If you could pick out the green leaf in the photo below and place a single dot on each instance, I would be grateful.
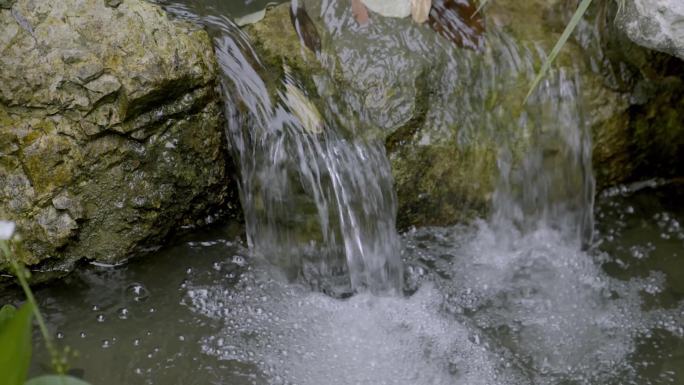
(56, 380)
(7, 312)
(576, 17)
(15, 345)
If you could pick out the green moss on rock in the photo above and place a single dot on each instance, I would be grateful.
(111, 127)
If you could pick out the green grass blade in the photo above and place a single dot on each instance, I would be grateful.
(483, 3)
(581, 10)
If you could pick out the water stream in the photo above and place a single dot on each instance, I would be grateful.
(317, 195)
(325, 291)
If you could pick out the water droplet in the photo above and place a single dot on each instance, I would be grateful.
(82, 335)
(59, 335)
(100, 318)
(136, 342)
(106, 344)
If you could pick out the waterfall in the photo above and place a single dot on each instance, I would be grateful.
(317, 195)
(552, 185)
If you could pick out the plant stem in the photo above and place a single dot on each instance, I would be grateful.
(21, 276)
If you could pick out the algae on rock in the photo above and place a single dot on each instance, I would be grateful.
(111, 133)
(446, 112)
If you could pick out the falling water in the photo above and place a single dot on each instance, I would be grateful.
(552, 185)
(317, 195)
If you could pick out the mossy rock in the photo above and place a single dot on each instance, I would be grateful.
(445, 112)
(111, 129)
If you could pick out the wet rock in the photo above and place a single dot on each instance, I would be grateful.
(447, 103)
(655, 24)
(111, 132)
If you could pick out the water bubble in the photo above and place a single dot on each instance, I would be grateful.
(59, 335)
(123, 313)
(82, 335)
(136, 342)
(106, 344)
(239, 260)
(100, 318)
(138, 291)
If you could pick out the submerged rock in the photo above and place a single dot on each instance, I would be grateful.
(111, 133)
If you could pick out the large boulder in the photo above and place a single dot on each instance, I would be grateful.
(655, 24)
(111, 133)
(447, 104)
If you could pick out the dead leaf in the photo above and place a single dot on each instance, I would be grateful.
(420, 10)
(360, 12)
(303, 108)
(305, 28)
(457, 21)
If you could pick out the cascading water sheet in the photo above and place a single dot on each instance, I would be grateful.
(317, 195)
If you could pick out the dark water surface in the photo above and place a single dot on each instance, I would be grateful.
(479, 312)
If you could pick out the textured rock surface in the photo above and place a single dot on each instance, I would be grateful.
(655, 24)
(445, 112)
(110, 128)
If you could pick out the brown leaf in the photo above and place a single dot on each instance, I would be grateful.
(306, 29)
(456, 20)
(360, 12)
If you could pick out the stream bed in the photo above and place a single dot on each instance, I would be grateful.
(479, 307)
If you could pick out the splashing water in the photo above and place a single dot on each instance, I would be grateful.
(514, 300)
(553, 184)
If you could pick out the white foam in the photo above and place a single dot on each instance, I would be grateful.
(298, 337)
(491, 308)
